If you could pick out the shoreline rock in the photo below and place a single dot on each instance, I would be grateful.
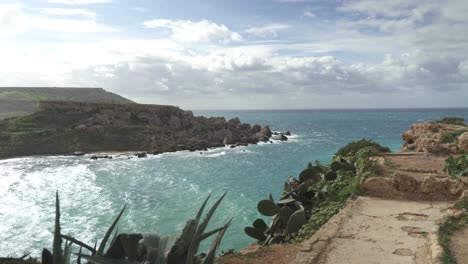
(77, 128)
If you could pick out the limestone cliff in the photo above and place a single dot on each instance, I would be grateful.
(65, 127)
(436, 137)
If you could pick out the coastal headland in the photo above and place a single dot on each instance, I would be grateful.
(66, 127)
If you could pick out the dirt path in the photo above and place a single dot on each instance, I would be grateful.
(386, 231)
(397, 223)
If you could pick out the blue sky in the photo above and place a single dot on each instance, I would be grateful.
(243, 54)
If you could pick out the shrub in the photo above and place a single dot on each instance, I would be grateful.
(353, 147)
(451, 137)
(457, 166)
(452, 121)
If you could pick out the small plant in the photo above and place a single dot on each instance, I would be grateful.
(353, 147)
(459, 121)
(457, 167)
(452, 137)
(448, 227)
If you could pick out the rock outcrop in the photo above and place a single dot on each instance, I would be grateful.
(432, 137)
(66, 127)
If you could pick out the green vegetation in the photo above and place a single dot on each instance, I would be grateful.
(54, 132)
(352, 148)
(458, 166)
(148, 248)
(452, 137)
(23, 101)
(448, 227)
(459, 121)
(319, 193)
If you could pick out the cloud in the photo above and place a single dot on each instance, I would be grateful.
(201, 31)
(78, 2)
(67, 12)
(412, 55)
(14, 20)
(309, 14)
(270, 30)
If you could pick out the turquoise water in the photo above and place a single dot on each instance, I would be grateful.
(163, 191)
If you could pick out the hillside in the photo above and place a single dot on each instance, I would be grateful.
(17, 101)
(65, 127)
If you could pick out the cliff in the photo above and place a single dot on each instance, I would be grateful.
(18, 101)
(436, 137)
(66, 127)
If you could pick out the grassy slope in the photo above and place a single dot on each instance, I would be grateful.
(50, 132)
(22, 101)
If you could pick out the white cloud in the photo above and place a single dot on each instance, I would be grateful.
(414, 55)
(67, 12)
(309, 14)
(270, 30)
(14, 20)
(201, 31)
(78, 2)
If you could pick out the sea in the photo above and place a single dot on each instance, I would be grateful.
(162, 192)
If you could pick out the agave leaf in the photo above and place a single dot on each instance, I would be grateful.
(210, 233)
(182, 244)
(67, 252)
(178, 253)
(200, 230)
(104, 260)
(115, 234)
(79, 243)
(47, 257)
(78, 260)
(202, 208)
(57, 244)
(100, 250)
(210, 257)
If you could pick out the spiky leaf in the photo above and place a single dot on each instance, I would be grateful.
(100, 250)
(57, 244)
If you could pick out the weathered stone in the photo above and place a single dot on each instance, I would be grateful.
(463, 142)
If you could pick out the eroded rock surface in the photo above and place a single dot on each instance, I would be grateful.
(428, 137)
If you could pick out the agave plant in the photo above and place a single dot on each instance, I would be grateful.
(58, 255)
(154, 249)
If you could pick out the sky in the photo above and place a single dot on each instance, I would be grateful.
(243, 54)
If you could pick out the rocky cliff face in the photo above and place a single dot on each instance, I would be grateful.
(436, 138)
(66, 127)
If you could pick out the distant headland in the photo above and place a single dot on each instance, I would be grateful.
(57, 121)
